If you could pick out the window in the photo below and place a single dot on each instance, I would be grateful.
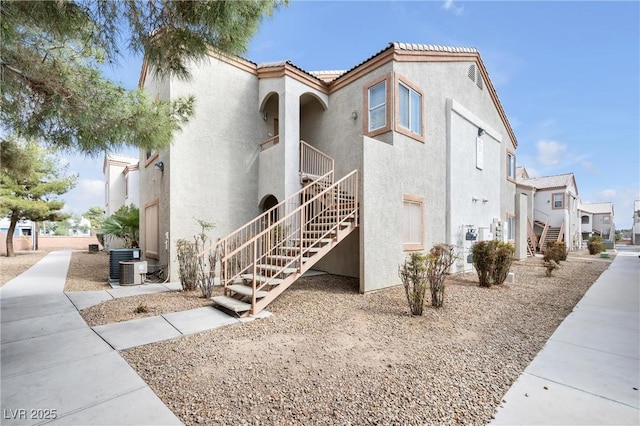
(149, 156)
(412, 230)
(606, 220)
(511, 165)
(106, 194)
(378, 106)
(585, 220)
(126, 186)
(409, 109)
(558, 201)
(511, 228)
(151, 230)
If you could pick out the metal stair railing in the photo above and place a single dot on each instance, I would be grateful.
(313, 162)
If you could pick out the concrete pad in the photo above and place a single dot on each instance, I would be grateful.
(173, 286)
(599, 373)
(47, 276)
(136, 290)
(17, 308)
(200, 319)
(77, 385)
(140, 407)
(129, 334)
(41, 326)
(29, 355)
(610, 338)
(602, 315)
(86, 299)
(529, 403)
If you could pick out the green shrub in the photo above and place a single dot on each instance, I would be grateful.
(503, 260)
(492, 261)
(187, 254)
(483, 258)
(550, 265)
(413, 273)
(556, 250)
(595, 245)
(438, 262)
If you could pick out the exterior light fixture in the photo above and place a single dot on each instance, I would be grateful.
(264, 116)
(354, 115)
(159, 165)
(481, 131)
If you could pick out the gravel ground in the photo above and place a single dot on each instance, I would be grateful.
(88, 271)
(147, 305)
(11, 267)
(331, 356)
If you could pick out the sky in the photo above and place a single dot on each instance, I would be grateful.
(567, 75)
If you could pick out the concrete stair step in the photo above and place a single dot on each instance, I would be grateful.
(246, 290)
(231, 304)
(261, 279)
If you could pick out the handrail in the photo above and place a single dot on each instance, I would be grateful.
(561, 233)
(314, 162)
(270, 142)
(340, 197)
(543, 236)
(532, 235)
(537, 213)
(265, 219)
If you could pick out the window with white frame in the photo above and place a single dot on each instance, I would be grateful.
(409, 108)
(606, 220)
(412, 229)
(378, 106)
(511, 165)
(557, 201)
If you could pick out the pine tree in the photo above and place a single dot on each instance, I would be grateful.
(52, 87)
(29, 192)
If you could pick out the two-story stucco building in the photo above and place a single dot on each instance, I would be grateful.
(419, 129)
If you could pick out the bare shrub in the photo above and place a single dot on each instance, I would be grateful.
(187, 254)
(413, 273)
(438, 262)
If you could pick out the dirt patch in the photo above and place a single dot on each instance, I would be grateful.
(88, 271)
(11, 267)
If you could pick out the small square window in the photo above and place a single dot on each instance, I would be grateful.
(606, 220)
(558, 201)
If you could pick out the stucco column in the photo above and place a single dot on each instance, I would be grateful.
(521, 226)
(291, 104)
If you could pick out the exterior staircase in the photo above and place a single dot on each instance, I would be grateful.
(261, 259)
(553, 234)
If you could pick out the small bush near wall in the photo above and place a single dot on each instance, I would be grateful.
(595, 245)
(413, 273)
(492, 261)
(556, 250)
(187, 254)
(438, 262)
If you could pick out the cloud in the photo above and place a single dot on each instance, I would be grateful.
(590, 167)
(87, 193)
(607, 194)
(550, 153)
(451, 6)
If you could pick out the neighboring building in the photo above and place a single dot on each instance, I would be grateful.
(417, 131)
(24, 236)
(121, 187)
(552, 210)
(635, 229)
(598, 219)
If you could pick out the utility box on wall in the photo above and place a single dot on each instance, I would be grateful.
(484, 234)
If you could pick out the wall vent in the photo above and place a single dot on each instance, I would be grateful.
(472, 72)
(479, 80)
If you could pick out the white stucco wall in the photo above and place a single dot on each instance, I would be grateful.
(473, 193)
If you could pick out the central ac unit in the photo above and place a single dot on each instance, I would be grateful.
(130, 272)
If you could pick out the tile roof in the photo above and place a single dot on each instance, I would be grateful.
(121, 158)
(597, 208)
(546, 182)
(432, 48)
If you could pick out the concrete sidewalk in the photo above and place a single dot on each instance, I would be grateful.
(55, 369)
(588, 372)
